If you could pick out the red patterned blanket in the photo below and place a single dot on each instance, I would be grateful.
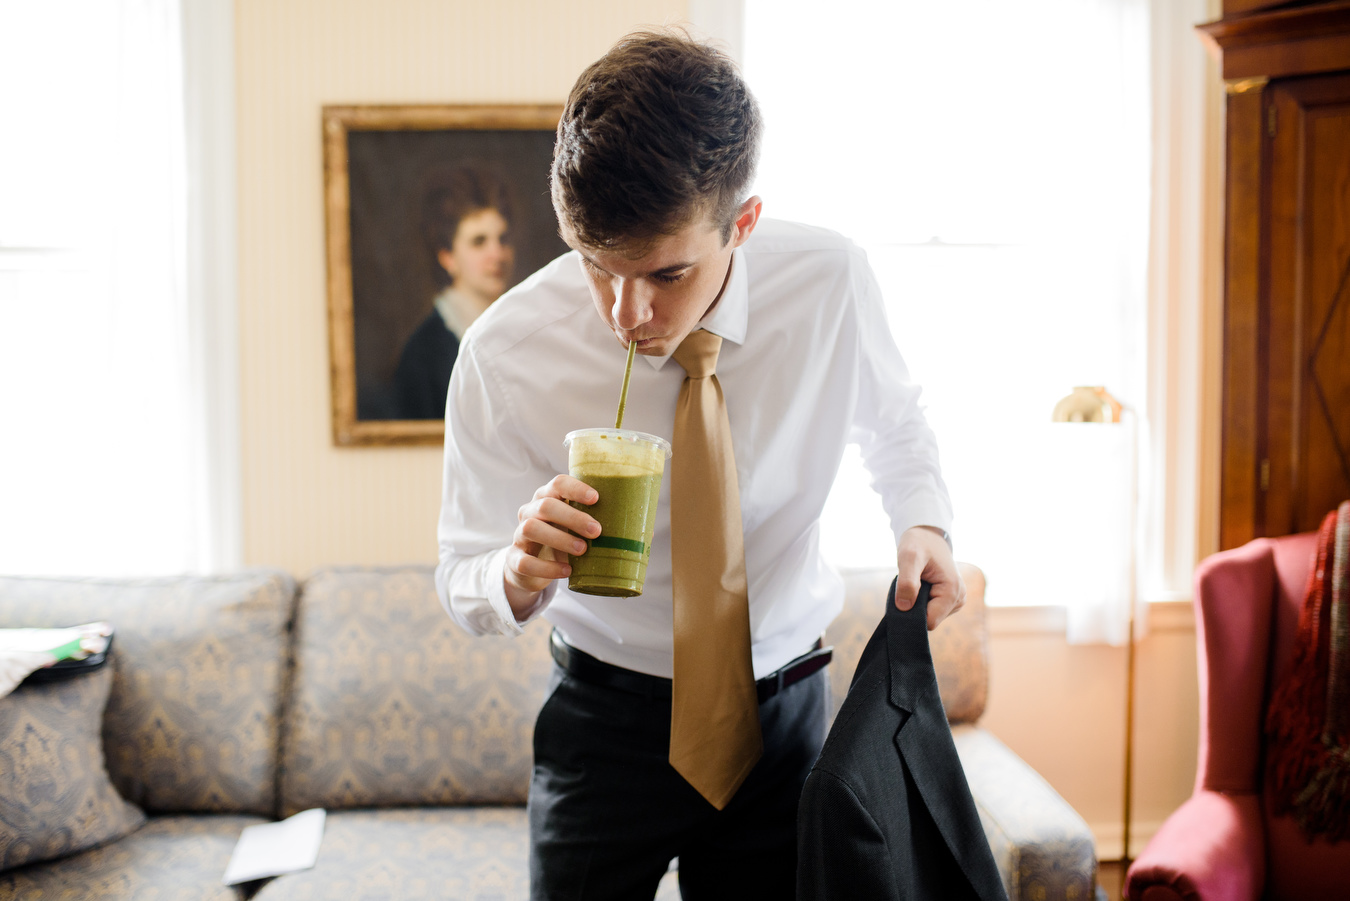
(1308, 722)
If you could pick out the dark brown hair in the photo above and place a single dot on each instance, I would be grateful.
(659, 130)
(451, 196)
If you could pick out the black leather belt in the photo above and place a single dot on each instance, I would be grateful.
(588, 669)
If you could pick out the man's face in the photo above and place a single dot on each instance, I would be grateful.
(657, 297)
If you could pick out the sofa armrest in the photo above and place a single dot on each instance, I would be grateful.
(1043, 848)
(1211, 847)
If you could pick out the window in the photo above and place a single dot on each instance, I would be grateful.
(996, 162)
(102, 407)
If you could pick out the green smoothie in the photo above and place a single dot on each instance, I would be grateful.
(625, 469)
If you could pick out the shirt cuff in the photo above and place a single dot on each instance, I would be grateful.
(929, 514)
(496, 596)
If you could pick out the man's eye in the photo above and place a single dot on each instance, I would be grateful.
(668, 279)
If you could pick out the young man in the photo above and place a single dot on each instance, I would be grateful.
(655, 154)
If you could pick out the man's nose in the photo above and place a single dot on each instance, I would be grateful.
(630, 310)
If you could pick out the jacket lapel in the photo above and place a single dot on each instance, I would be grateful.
(925, 742)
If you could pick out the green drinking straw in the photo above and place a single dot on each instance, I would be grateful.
(623, 395)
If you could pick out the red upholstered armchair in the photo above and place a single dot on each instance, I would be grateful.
(1224, 843)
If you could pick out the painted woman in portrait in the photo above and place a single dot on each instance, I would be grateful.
(466, 218)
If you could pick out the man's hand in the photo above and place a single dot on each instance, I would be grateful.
(542, 540)
(923, 555)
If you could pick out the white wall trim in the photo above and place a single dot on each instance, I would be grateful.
(1160, 616)
(1109, 838)
(1041, 619)
(1171, 616)
(212, 278)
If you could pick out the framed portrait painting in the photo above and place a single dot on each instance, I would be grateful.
(432, 213)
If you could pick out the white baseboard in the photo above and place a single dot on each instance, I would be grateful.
(1110, 838)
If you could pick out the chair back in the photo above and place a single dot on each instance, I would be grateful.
(960, 645)
(1248, 602)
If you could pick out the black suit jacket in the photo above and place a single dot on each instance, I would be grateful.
(886, 812)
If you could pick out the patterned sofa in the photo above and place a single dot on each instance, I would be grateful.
(239, 699)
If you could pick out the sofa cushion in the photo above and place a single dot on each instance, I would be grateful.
(168, 859)
(394, 705)
(193, 718)
(55, 797)
(960, 644)
(411, 854)
(468, 854)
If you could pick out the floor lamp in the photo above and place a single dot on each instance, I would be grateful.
(1092, 404)
(1129, 739)
(1130, 649)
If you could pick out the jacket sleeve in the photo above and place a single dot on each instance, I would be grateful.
(841, 851)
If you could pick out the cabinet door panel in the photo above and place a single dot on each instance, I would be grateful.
(1308, 399)
(1328, 299)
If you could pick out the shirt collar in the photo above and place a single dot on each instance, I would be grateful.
(731, 316)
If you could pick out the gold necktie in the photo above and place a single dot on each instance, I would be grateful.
(714, 718)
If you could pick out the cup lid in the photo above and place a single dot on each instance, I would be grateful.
(628, 435)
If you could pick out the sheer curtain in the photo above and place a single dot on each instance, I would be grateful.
(996, 162)
(108, 426)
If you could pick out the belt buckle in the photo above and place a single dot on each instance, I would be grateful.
(559, 649)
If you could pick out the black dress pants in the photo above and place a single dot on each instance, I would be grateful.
(608, 812)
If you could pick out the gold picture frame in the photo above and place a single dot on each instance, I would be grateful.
(377, 163)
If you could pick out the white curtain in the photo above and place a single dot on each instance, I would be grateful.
(212, 268)
(103, 411)
(996, 161)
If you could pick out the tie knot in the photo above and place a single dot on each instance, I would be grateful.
(697, 353)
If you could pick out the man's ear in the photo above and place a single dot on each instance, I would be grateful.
(746, 220)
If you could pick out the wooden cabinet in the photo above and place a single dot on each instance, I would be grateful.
(1286, 405)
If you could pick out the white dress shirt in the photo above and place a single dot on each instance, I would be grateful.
(807, 365)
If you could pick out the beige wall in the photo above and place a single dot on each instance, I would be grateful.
(307, 503)
(1062, 709)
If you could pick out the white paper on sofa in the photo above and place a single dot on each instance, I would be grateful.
(274, 849)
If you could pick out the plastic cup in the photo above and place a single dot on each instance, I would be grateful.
(625, 468)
